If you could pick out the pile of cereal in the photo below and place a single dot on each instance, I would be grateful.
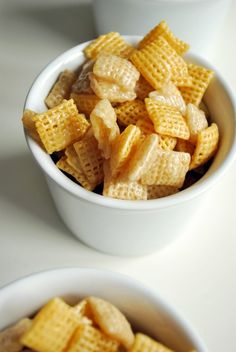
(129, 124)
(92, 325)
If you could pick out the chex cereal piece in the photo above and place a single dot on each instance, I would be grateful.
(61, 89)
(63, 165)
(196, 121)
(89, 339)
(201, 78)
(116, 70)
(123, 148)
(163, 29)
(82, 83)
(143, 88)
(43, 336)
(85, 102)
(126, 190)
(169, 168)
(157, 191)
(111, 91)
(151, 65)
(29, 124)
(90, 158)
(10, 337)
(170, 95)
(111, 321)
(167, 119)
(60, 126)
(206, 146)
(83, 311)
(185, 146)
(144, 343)
(105, 128)
(130, 112)
(167, 142)
(111, 43)
(143, 158)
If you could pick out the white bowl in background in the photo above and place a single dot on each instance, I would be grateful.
(123, 227)
(145, 309)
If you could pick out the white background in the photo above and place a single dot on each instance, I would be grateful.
(197, 273)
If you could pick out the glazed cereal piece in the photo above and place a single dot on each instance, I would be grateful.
(143, 158)
(116, 70)
(110, 91)
(143, 88)
(130, 112)
(152, 66)
(42, 336)
(82, 83)
(111, 43)
(111, 321)
(169, 168)
(123, 148)
(89, 339)
(167, 119)
(157, 191)
(90, 158)
(144, 343)
(170, 95)
(206, 146)
(85, 102)
(61, 89)
(163, 30)
(10, 337)
(60, 126)
(105, 128)
(201, 78)
(78, 175)
(185, 146)
(196, 121)
(29, 124)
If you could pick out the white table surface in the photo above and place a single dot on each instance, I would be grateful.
(197, 273)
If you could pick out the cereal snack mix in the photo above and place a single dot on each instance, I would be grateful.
(131, 122)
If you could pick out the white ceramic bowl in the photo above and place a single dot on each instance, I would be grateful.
(146, 310)
(124, 227)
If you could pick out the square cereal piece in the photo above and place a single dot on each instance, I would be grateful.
(111, 43)
(196, 121)
(170, 95)
(89, 339)
(61, 89)
(201, 78)
(123, 148)
(157, 191)
(130, 112)
(126, 190)
(111, 321)
(29, 124)
(167, 119)
(60, 126)
(85, 102)
(90, 158)
(144, 343)
(162, 29)
(43, 336)
(105, 128)
(82, 83)
(116, 70)
(10, 337)
(206, 146)
(142, 88)
(111, 91)
(169, 168)
(152, 66)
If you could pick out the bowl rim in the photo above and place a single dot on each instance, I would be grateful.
(129, 282)
(142, 205)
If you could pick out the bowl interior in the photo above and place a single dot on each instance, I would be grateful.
(146, 311)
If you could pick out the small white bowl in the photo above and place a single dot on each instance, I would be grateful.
(123, 227)
(146, 310)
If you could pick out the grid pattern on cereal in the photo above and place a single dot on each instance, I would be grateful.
(160, 191)
(130, 112)
(85, 102)
(144, 343)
